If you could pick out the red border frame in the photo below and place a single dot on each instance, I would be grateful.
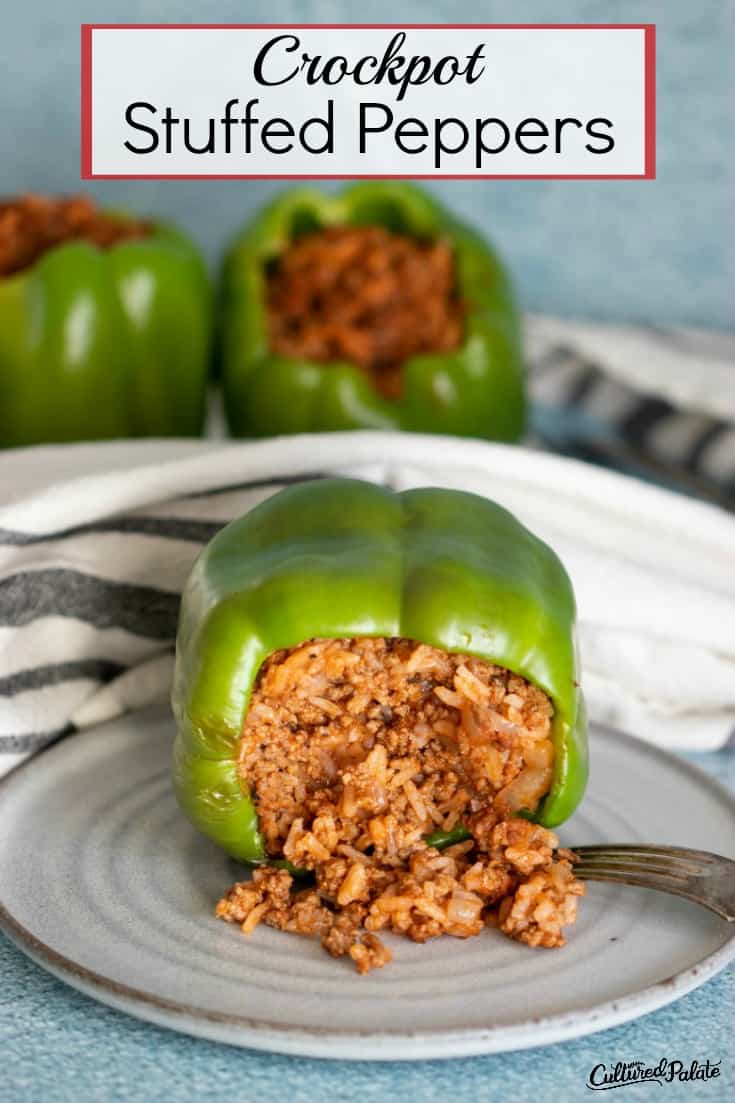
(649, 53)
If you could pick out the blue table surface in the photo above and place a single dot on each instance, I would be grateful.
(56, 1044)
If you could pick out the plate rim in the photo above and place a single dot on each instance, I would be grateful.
(351, 1043)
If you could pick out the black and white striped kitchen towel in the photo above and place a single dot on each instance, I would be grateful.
(92, 605)
(96, 543)
(658, 403)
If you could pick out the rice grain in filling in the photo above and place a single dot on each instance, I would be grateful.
(355, 750)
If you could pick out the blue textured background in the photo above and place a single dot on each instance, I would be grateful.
(659, 251)
(61, 1047)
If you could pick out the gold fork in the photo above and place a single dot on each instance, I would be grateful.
(707, 879)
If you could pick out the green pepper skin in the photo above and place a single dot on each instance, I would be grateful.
(98, 344)
(340, 558)
(476, 391)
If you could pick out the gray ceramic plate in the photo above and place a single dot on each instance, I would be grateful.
(105, 884)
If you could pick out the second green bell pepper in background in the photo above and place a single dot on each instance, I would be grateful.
(476, 390)
(105, 343)
(341, 558)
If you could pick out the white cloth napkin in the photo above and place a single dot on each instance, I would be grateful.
(96, 542)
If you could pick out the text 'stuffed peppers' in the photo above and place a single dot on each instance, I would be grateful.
(341, 558)
(104, 343)
(476, 390)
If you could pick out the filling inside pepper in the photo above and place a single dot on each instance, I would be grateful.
(357, 751)
(32, 224)
(367, 296)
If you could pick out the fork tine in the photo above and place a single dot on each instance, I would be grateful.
(721, 907)
(654, 859)
(645, 862)
(630, 869)
(706, 879)
(622, 849)
(670, 852)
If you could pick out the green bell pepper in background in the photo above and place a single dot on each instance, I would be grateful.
(475, 391)
(340, 558)
(103, 343)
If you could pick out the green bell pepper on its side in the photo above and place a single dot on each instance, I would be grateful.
(340, 558)
(102, 343)
(475, 391)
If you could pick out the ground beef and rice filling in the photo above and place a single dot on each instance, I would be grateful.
(355, 750)
(32, 224)
(367, 296)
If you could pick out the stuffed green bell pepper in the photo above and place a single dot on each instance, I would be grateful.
(105, 325)
(371, 308)
(338, 618)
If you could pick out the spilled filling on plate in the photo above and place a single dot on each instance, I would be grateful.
(362, 756)
(30, 225)
(365, 296)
